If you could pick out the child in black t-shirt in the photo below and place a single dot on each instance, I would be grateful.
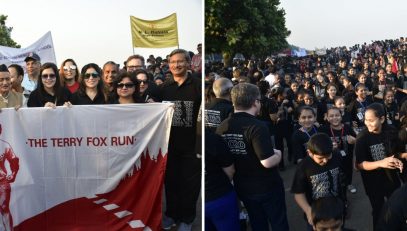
(300, 137)
(343, 139)
(318, 175)
(391, 108)
(375, 150)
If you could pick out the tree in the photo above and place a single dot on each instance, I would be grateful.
(251, 27)
(5, 39)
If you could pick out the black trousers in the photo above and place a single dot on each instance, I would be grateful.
(182, 186)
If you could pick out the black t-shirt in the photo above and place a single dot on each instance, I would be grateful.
(374, 147)
(317, 181)
(249, 141)
(83, 99)
(391, 112)
(299, 141)
(187, 100)
(38, 98)
(357, 110)
(217, 111)
(217, 156)
(339, 137)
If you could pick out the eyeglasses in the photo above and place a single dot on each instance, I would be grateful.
(48, 76)
(177, 62)
(88, 75)
(134, 67)
(127, 85)
(70, 67)
(142, 81)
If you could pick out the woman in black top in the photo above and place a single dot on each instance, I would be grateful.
(49, 92)
(90, 87)
(375, 149)
(126, 89)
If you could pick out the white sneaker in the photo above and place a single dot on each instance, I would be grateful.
(352, 189)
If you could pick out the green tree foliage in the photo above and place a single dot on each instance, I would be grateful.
(244, 26)
(5, 39)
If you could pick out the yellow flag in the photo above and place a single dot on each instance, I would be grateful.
(155, 33)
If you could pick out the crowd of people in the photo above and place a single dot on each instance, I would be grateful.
(330, 114)
(176, 79)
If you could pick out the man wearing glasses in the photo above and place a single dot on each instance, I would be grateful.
(33, 63)
(135, 62)
(183, 173)
(257, 181)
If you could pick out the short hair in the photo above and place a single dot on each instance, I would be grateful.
(327, 208)
(3, 68)
(221, 87)
(18, 68)
(377, 108)
(320, 144)
(181, 51)
(110, 63)
(244, 95)
(135, 57)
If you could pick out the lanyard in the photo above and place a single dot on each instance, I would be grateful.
(339, 141)
(362, 104)
(305, 131)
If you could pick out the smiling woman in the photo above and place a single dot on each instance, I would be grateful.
(91, 88)
(126, 89)
(49, 92)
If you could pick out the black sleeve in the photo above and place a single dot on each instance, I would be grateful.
(34, 100)
(261, 141)
(297, 145)
(299, 184)
(361, 148)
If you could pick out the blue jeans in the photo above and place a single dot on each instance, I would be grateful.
(222, 214)
(266, 207)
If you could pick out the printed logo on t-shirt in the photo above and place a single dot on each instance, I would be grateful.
(235, 143)
(325, 184)
(183, 114)
(378, 152)
(212, 118)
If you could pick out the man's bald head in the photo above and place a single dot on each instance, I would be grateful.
(221, 87)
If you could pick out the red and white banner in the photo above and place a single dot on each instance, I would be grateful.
(85, 167)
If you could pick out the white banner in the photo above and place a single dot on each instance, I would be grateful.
(44, 47)
(98, 164)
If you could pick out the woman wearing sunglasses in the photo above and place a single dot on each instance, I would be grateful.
(69, 75)
(126, 89)
(49, 92)
(90, 87)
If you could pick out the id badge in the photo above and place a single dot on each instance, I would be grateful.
(360, 115)
(343, 153)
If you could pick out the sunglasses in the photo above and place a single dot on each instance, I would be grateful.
(127, 85)
(142, 81)
(88, 75)
(70, 67)
(48, 76)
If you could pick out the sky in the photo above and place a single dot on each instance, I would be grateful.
(331, 23)
(99, 31)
